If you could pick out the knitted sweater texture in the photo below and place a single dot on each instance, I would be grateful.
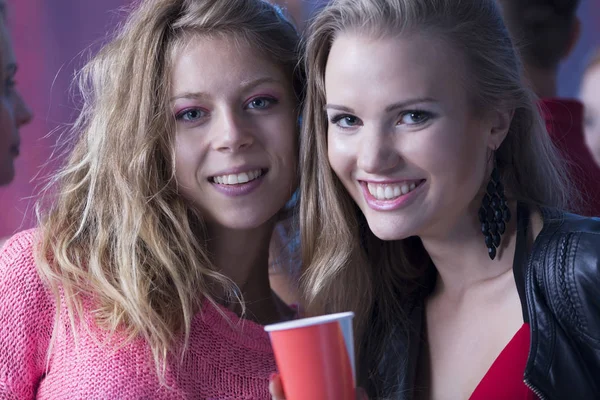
(225, 361)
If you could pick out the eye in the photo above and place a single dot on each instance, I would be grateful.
(190, 115)
(414, 117)
(345, 121)
(261, 103)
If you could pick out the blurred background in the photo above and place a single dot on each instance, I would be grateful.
(53, 38)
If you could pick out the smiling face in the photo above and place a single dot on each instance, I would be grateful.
(14, 113)
(402, 136)
(236, 139)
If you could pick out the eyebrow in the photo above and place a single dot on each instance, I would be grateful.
(391, 107)
(244, 87)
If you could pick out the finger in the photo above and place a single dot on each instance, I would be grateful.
(276, 388)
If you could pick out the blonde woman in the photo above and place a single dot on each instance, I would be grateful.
(431, 206)
(148, 275)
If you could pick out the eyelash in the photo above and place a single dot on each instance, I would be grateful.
(426, 114)
(180, 115)
(271, 101)
(337, 118)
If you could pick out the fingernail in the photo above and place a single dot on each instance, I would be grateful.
(273, 376)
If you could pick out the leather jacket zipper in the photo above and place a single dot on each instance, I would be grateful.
(534, 389)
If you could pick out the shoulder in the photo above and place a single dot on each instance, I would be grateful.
(23, 293)
(573, 247)
(26, 312)
(17, 261)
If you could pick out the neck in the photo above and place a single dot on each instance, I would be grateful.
(461, 257)
(243, 256)
(543, 81)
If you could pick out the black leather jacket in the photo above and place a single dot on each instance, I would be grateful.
(559, 286)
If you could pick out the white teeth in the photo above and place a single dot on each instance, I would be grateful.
(388, 192)
(234, 179)
(243, 178)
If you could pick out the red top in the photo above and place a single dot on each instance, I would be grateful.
(564, 121)
(504, 379)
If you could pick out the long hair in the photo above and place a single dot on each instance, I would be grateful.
(118, 231)
(345, 266)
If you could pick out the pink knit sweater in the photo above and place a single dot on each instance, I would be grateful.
(223, 362)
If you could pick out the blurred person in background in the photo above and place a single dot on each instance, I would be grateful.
(590, 96)
(14, 113)
(546, 32)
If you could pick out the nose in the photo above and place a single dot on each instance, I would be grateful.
(23, 114)
(233, 133)
(378, 152)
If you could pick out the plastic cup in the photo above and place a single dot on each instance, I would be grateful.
(315, 357)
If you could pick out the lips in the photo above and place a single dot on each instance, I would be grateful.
(238, 178)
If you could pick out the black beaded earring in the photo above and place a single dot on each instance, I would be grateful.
(494, 213)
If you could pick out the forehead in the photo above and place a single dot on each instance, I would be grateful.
(218, 62)
(411, 64)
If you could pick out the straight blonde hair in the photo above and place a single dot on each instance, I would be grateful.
(345, 266)
(118, 231)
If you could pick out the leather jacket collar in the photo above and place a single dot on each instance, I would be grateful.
(560, 293)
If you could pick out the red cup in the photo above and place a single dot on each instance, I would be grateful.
(315, 357)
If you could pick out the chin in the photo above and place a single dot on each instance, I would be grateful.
(235, 221)
(389, 234)
(386, 230)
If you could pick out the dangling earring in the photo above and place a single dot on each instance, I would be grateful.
(494, 213)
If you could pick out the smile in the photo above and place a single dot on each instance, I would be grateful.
(391, 191)
(389, 196)
(236, 179)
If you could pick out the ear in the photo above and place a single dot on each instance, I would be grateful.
(501, 120)
(573, 37)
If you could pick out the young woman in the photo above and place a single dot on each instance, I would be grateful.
(148, 275)
(431, 206)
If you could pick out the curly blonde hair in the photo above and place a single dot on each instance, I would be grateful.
(118, 231)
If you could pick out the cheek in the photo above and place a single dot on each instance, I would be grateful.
(455, 158)
(341, 156)
(282, 140)
(185, 161)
